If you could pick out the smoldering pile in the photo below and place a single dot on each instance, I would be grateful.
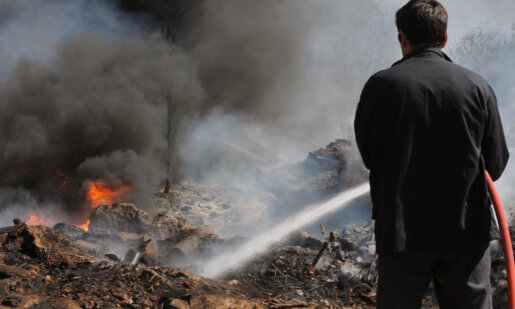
(123, 233)
(39, 268)
(51, 268)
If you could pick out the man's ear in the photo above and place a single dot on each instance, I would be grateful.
(446, 38)
(403, 40)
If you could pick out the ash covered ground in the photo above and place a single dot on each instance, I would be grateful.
(130, 258)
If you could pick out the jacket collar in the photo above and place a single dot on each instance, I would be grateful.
(424, 51)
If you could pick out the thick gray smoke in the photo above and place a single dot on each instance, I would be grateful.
(285, 72)
(295, 65)
(93, 111)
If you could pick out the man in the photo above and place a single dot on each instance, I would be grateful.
(427, 129)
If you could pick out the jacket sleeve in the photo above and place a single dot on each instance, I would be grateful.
(363, 121)
(493, 147)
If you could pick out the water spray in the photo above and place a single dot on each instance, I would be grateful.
(255, 246)
(505, 238)
(259, 244)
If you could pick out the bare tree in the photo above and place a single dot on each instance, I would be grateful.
(170, 26)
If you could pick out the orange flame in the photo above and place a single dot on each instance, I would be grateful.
(35, 220)
(100, 192)
(85, 226)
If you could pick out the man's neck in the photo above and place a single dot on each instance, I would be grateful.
(408, 49)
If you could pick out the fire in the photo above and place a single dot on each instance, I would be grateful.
(85, 226)
(99, 192)
(35, 220)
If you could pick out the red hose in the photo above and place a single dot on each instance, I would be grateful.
(505, 238)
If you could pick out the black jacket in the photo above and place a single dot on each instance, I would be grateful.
(427, 129)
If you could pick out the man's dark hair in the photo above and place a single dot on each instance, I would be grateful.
(424, 22)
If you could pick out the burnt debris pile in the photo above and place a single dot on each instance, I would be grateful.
(42, 269)
(323, 173)
(336, 271)
(225, 207)
(66, 267)
(123, 233)
(498, 273)
(52, 269)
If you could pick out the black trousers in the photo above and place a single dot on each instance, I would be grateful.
(461, 279)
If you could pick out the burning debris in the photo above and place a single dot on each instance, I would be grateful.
(123, 241)
(82, 129)
(100, 192)
(67, 267)
(51, 271)
(122, 232)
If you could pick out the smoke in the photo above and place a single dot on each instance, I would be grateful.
(489, 52)
(17, 201)
(482, 38)
(33, 28)
(85, 87)
(295, 68)
(95, 111)
(300, 65)
(282, 78)
(295, 65)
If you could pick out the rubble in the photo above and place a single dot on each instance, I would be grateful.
(288, 272)
(498, 272)
(325, 172)
(43, 268)
(123, 230)
(51, 272)
(278, 190)
(229, 209)
(343, 276)
(39, 268)
(130, 258)
(126, 217)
